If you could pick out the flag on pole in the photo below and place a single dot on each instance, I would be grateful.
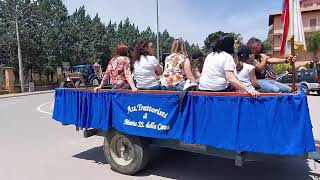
(292, 27)
(284, 8)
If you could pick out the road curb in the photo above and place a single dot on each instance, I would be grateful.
(25, 94)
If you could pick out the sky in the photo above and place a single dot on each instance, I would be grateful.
(191, 20)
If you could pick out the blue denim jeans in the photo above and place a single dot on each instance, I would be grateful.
(124, 87)
(271, 86)
(178, 87)
(157, 87)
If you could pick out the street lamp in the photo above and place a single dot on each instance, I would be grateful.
(21, 76)
(158, 39)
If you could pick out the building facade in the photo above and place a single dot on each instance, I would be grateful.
(310, 10)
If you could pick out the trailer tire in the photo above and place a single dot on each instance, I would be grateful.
(126, 154)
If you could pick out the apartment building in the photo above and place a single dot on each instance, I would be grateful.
(310, 10)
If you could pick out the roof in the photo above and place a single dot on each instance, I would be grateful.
(309, 9)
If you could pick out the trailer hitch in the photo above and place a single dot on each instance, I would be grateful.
(89, 133)
(239, 159)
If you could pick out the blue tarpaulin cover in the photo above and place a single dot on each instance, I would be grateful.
(278, 125)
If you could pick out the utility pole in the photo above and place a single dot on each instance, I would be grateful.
(21, 77)
(158, 38)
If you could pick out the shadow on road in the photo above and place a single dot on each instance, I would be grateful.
(189, 166)
(95, 154)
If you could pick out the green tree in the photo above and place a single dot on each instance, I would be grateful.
(148, 34)
(128, 34)
(165, 42)
(194, 48)
(78, 32)
(214, 36)
(313, 44)
(210, 39)
(7, 30)
(238, 39)
(281, 68)
(267, 46)
(99, 44)
(47, 32)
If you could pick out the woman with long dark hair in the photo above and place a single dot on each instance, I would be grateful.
(218, 69)
(146, 67)
(118, 71)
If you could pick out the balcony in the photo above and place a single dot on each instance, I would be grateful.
(306, 30)
(277, 48)
(312, 29)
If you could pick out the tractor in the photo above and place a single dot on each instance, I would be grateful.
(88, 75)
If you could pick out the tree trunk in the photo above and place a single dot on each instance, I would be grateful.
(48, 80)
(31, 75)
(51, 76)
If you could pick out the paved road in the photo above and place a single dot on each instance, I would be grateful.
(34, 147)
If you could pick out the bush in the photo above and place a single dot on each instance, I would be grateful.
(280, 68)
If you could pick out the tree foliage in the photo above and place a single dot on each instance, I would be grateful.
(267, 46)
(50, 35)
(214, 36)
(313, 44)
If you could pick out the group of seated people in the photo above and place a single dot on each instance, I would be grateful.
(225, 69)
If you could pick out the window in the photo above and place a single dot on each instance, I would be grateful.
(313, 24)
(307, 5)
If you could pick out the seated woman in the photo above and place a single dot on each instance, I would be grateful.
(246, 72)
(118, 71)
(218, 69)
(146, 67)
(177, 68)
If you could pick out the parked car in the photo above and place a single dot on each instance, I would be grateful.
(309, 80)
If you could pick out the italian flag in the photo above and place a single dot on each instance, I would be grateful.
(292, 28)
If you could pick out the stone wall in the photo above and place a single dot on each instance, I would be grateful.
(2, 78)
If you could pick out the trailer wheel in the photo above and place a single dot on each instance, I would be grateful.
(125, 154)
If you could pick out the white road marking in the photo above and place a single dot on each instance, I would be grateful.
(45, 104)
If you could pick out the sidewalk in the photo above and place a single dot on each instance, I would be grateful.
(25, 94)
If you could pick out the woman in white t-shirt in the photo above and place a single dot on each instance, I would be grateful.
(218, 69)
(146, 67)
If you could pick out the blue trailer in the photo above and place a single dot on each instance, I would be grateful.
(228, 125)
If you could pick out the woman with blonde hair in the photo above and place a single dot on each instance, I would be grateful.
(177, 68)
(118, 71)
